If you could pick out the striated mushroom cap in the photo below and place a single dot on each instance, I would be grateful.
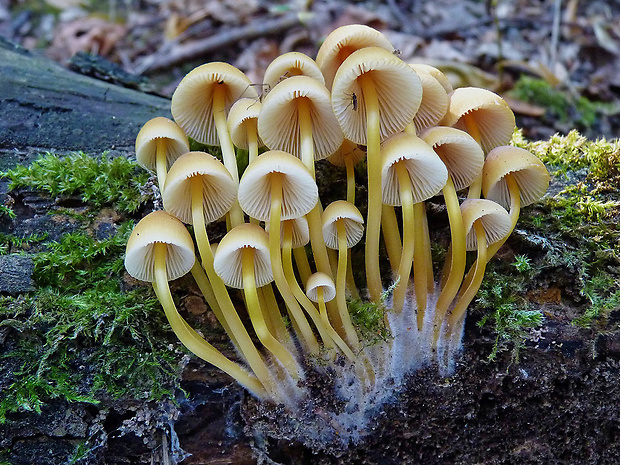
(192, 101)
(219, 190)
(495, 221)
(320, 280)
(300, 231)
(159, 227)
(528, 171)
(291, 64)
(227, 259)
(492, 115)
(163, 129)
(344, 211)
(459, 151)
(342, 42)
(241, 116)
(278, 123)
(434, 103)
(299, 190)
(346, 150)
(398, 88)
(427, 172)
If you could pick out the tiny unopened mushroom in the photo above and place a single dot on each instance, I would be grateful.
(160, 249)
(158, 144)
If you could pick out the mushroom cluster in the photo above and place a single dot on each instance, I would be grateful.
(290, 254)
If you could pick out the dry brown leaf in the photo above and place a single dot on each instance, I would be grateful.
(92, 35)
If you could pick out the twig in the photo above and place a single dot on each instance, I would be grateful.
(555, 34)
(174, 53)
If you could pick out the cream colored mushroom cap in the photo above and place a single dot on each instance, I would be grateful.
(527, 170)
(291, 64)
(427, 172)
(278, 123)
(192, 101)
(353, 221)
(299, 190)
(495, 221)
(342, 42)
(160, 128)
(436, 73)
(458, 150)
(242, 114)
(434, 103)
(349, 150)
(227, 259)
(159, 227)
(300, 231)
(219, 190)
(320, 280)
(493, 116)
(398, 88)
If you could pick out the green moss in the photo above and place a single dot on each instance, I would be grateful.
(85, 334)
(576, 224)
(563, 106)
(99, 181)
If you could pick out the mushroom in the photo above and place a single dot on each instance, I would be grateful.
(485, 223)
(388, 93)
(342, 42)
(200, 189)
(485, 116)
(160, 249)
(274, 187)
(291, 64)
(199, 106)
(343, 227)
(463, 158)
(242, 261)
(158, 144)
(242, 124)
(434, 103)
(412, 172)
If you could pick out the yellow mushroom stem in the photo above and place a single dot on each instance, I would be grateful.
(391, 236)
(302, 263)
(326, 331)
(350, 278)
(373, 162)
(515, 208)
(430, 277)
(409, 235)
(307, 337)
(228, 150)
(474, 131)
(161, 163)
(252, 142)
(420, 263)
(317, 243)
(245, 344)
(341, 279)
(256, 314)
(455, 261)
(189, 337)
(273, 317)
(207, 291)
(458, 312)
(350, 167)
